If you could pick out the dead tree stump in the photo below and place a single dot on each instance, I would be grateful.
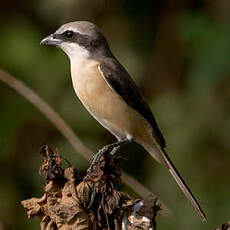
(93, 203)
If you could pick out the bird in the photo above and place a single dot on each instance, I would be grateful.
(111, 96)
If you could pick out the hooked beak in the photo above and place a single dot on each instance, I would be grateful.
(50, 40)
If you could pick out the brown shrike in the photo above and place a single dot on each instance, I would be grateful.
(111, 96)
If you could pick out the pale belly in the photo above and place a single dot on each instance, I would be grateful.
(107, 107)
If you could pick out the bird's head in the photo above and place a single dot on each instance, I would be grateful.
(78, 40)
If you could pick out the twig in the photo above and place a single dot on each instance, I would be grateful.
(46, 109)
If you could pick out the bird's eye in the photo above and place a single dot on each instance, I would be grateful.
(69, 33)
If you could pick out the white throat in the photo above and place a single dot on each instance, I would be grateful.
(75, 52)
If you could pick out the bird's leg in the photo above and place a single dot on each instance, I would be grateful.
(116, 146)
(115, 149)
(112, 149)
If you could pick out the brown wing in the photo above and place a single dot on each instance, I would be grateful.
(118, 79)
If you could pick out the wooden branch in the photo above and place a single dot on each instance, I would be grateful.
(94, 202)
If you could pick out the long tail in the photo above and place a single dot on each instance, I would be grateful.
(162, 157)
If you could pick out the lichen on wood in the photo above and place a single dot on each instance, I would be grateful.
(94, 203)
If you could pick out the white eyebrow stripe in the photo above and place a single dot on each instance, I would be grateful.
(73, 29)
(65, 28)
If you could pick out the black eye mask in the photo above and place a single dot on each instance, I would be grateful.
(81, 39)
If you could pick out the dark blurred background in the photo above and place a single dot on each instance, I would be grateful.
(178, 52)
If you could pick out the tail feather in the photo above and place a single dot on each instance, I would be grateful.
(162, 157)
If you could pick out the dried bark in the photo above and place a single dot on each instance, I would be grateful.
(94, 203)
